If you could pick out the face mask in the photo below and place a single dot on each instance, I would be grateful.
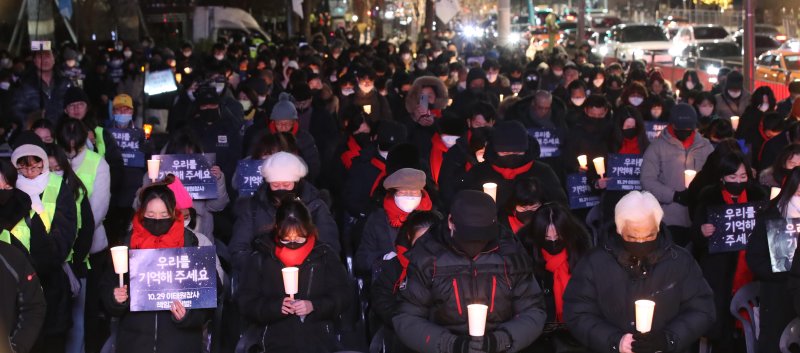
(578, 101)
(127, 54)
(635, 101)
(558, 73)
(157, 227)
(553, 247)
(629, 133)
(283, 194)
(655, 113)
(71, 63)
(640, 250)
(347, 91)
(734, 94)
(763, 107)
(209, 115)
(511, 161)
(292, 245)
(5, 85)
(476, 90)
(683, 134)
(261, 100)
(524, 216)
(187, 53)
(365, 88)
(598, 82)
(470, 248)
(186, 222)
(59, 173)
(689, 85)
(246, 104)
(407, 203)
(219, 57)
(516, 88)
(735, 189)
(362, 139)
(491, 77)
(219, 87)
(706, 111)
(422, 65)
(383, 154)
(123, 119)
(5, 195)
(449, 140)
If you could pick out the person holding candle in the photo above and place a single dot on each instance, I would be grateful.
(639, 261)
(776, 175)
(725, 272)
(405, 193)
(592, 133)
(732, 99)
(157, 224)
(705, 104)
(304, 323)
(392, 276)
(709, 175)
(433, 313)
(773, 147)
(366, 94)
(752, 121)
(678, 148)
(468, 151)
(521, 208)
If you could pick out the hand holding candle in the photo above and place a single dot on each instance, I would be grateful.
(476, 316)
(491, 189)
(153, 166)
(688, 176)
(644, 315)
(119, 255)
(290, 279)
(600, 166)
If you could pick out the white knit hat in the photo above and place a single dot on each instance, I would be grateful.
(30, 150)
(283, 166)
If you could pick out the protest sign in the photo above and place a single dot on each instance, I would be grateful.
(194, 171)
(624, 171)
(248, 176)
(549, 142)
(158, 82)
(160, 276)
(580, 193)
(782, 242)
(733, 225)
(654, 128)
(129, 142)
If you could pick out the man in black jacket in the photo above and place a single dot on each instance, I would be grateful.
(641, 263)
(21, 300)
(472, 260)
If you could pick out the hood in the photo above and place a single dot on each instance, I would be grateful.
(412, 99)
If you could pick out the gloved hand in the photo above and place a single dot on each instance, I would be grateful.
(681, 197)
(651, 342)
(496, 342)
(461, 344)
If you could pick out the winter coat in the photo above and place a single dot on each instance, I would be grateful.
(153, 331)
(99, 199)
(599, 299)
(377, 240)
(772, 149)
(442, 281)
(776, 309)
(257, 217)
(662, 172)
(380, 106)
(305, 145)
(767, 178)
(483, 173)
(590, 137)
(454, 169)
(21, 301)
(30, 94)
(726, 107)
(360, 179)
(322, 280)
(222, 137)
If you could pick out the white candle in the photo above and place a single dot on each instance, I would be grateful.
(735, 122)
(476, 315)
(501, 97)
(644, 315)
(290, 278)
(600, 166)
(368, 109)
(688, 176)
(119, 255)
(491, 189)
(583, 161)
(449, 102)
(153, 166)
(774, 192)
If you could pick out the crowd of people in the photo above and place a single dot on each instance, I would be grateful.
(373, 160)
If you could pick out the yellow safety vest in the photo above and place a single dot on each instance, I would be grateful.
(21, 231)
(49, 200)
(87, 171)
(100, 142)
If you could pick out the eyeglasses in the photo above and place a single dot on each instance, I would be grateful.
(33, 169)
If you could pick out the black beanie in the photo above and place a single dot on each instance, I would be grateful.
(475, 74)
(404, 155)
(75, 94)
(510, 136)
(452, 124)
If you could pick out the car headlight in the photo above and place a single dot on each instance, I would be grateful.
(603, 50)
(712, 70)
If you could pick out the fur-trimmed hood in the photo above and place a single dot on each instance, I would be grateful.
(412, 100)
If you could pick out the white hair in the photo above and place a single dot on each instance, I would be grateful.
(635, 206)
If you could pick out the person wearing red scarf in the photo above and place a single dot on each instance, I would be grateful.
(725, 272)
(405, 194)
(451, 127)
(524, 203)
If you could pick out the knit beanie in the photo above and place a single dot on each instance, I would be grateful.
(284, 109)
(29, 144)
(510, 136)
(683, 117)
(74, 94)
(283, 166)
(183, 201)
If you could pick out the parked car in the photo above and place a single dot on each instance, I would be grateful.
(780, 66)
(764, 42)
(628, 42)
(711, 56)
(688, 35)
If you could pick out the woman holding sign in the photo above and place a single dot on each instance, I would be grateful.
(302, 321)
(157, 224)
(725, 270)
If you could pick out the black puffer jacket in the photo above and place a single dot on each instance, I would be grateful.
(323, 281)
(22, 305)
(442, 282)
(484, 173)
(600, 296)
(257, 217)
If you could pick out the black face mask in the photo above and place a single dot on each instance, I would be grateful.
(476, 90)
(640, 250)
(6, 195)
(471, 248)
(683, 134)
(157, 227)
(735, 189)
(524, 216)
(553, 247)
(281, 195)
(209, 115)
(704, 120)
(362, 139)
(629, 133)
(511, 161)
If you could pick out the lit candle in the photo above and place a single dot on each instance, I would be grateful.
(290, 278)
(644, 315)
(476, 316)
(491, 189)
(153, 166)
(599, 166)
(583, 161)
(368, 109)
(735, 122)
(148, 130)
(774, 192)
(688, 176)
(501, 97)
(119, 255)
(449, 102)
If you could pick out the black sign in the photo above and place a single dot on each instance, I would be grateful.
(160, 276)
(129, 142)
(549, 142)
(194, 171)
(654, 128)
(782, 241)
(580, 193)
(248, 176)
(624, 171)
(733, 225)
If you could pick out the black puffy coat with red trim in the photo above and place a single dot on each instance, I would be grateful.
(442, 281)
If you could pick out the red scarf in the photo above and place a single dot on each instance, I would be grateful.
(559, 267)
(763, 137)
(273, 129)
(295, 257)
(512, 173)
(742, 275)
(141, 238)
(377, 163)
(687, 143)
(436, 113)
(630, 146)
(401, 256)
(397, 216)
(437, 155)
(353, 151)
(515, 223)
(468, 166)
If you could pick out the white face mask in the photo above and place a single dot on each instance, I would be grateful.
(598, 82)
(706, 111)
(406, 57)
(407, 203)
(636, 101)
(558, 73)
(219, 87)
(734, 94)
(491, 77)
(689, 85)
(422, 65)
(347, 91)
(186, 221)
(219, 57)
(763, 107)
(578, 101)
(449, 140)
(246, 104)
(59, 173)
(127, 54)
(656, 112)
(261, 100)
(383, 154)
(333, 78)
(5, 85)
(187, 53)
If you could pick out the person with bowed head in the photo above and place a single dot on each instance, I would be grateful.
(157, 224)
(302, 322)
(639, 261)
